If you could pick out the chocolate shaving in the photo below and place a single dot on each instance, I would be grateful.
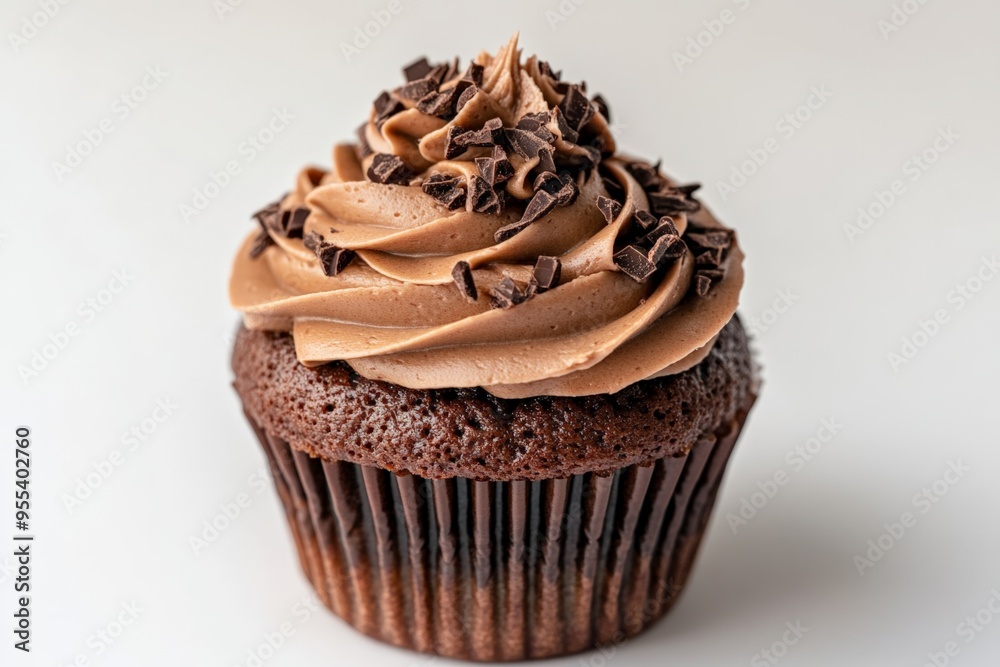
(647, 175)
(546, 158)
(474, 74)
(540, 205)
(451, 149)
(568, 193)
(547, 181)
(490, 135)
(702, 284)
(546, 274)
(634, 263)
(506, 293)
(666, 247)
(614, 188)
(389, 169)
(567, 132)
(525, 143)
(535, 123)
(484, 198)
(417, 70)
(646, 220)
(260, 244)
(546, 69)
(440, 105)
(462, 275)
(715, 238)
(609, 208)
(417, 90)
(576, 107)
(690, 188)
(507, 231)
(711, 257)
(562, 187)
(362, 149)
(665, 227)
(291, 222)
(446, 189)
(267, 217)
(441, 73)
(332, 259)
(465, 97)
(669, 201)
(495, 169)
(602, 107)
(386, 106)
(313, 241)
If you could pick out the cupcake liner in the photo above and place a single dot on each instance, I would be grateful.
(499, 571)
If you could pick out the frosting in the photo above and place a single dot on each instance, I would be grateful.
(360, 262)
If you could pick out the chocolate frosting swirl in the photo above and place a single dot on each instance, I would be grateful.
(360, 262)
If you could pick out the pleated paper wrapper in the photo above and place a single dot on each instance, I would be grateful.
(499, 571)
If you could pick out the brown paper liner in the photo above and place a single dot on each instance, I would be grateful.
(500, 570)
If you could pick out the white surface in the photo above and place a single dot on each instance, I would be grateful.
(166, 335)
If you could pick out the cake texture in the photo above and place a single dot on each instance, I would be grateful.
(495, 367)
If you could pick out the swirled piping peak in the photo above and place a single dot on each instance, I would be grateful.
(483, 230)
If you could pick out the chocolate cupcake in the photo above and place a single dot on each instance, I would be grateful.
(495, 366)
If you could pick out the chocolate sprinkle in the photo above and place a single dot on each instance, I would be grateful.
(333, 259)
(634, 263)
(462, 275)
(546, 273)
(389, 169)
(507, 293)
(609, 208)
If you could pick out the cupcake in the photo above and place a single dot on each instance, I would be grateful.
(495, 367)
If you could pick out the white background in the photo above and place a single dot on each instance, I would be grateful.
(166, 335)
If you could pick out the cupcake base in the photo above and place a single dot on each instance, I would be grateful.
(499, 571)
